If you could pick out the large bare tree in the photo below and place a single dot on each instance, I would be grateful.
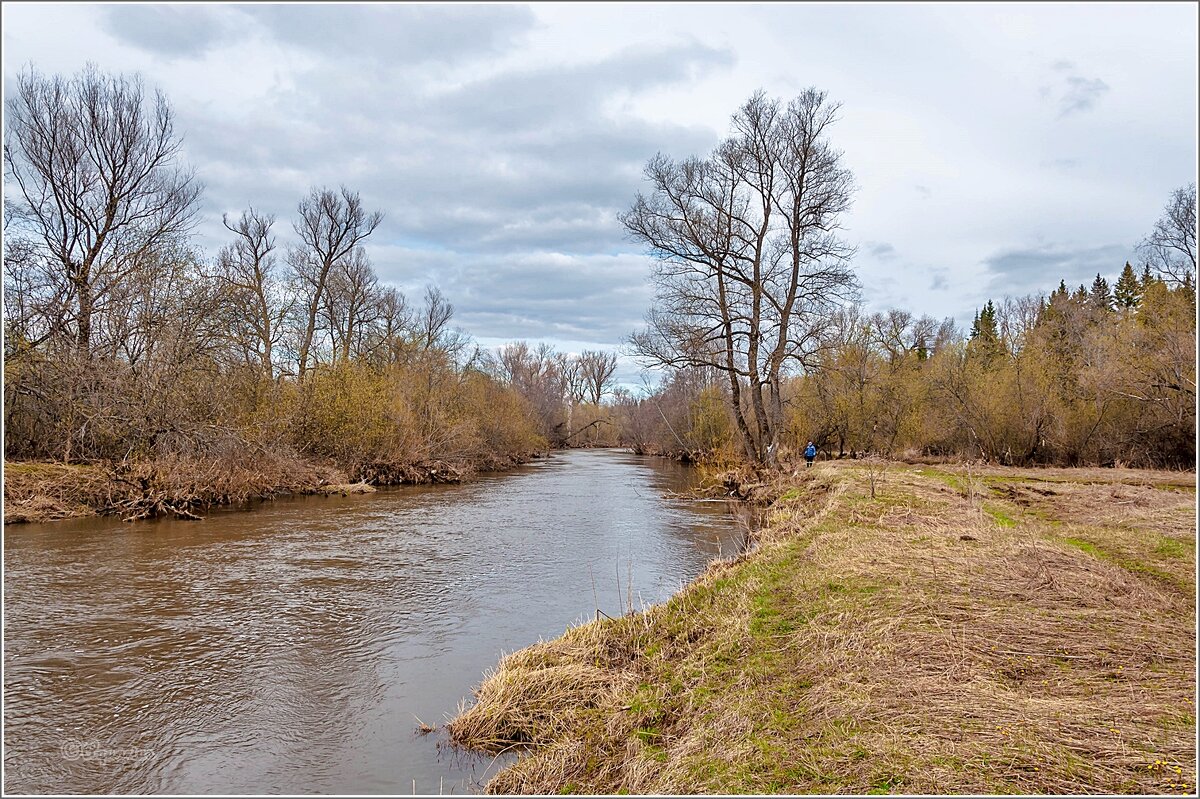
(98, 187)
(748, 262)
(331, 225)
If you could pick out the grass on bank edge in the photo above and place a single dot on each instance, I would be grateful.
(966, 631)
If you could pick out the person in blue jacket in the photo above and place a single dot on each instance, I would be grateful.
(810, 452)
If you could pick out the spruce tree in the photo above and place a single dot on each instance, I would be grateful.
(985, 336)
(987, 321)
(984, 326)
(1100, 296)
(1128, 291)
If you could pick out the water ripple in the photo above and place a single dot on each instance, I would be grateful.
(293, 648)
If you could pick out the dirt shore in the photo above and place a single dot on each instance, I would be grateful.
(897, 629)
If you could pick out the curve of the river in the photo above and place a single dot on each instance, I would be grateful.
(293, 648)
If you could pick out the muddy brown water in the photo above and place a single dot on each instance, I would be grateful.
(293, 648)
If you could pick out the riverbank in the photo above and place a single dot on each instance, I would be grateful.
(898, 628)
(39, 491)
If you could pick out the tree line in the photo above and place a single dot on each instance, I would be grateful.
(123, 340)
(1076, 377)
(766, 345)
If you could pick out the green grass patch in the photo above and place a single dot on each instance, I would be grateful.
(885, 784)
(1178, 488)
(1001, 518)
(1087, 546)
(1128, 564)
(1174, 548)
(953, 481)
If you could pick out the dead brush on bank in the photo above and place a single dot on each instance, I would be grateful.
(599, 676)
(37, 492)
(167, 486)
(183, 486)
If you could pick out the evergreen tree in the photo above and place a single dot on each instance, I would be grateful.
(1147, 278)
(984, 326)
(1128, 291)
(1101, 297)
(985, 336)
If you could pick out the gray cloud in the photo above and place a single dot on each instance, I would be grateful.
(1039, 269)
(408, 34)
(504, 191)
(1072, 91)
(1081, 94)
(526, 161)
(549, 295)
(170, 31)
(881, 250)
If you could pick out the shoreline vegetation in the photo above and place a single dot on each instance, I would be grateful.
(41, 491)
(958, 628)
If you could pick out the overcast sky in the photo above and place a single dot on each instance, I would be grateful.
(998, 148)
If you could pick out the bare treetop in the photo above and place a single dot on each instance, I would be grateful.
(1171, 248)
(332, 223)
(95, 164)
(330, 226)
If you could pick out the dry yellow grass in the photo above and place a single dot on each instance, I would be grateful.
(41, 491)
(967, 631)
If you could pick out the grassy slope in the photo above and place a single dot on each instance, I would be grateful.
(965, 632)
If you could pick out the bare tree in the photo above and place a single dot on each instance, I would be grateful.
(391, 336)
(258, 302)
(749, 266)
(535, 374)
(434, 320)
(352, 304)
(1170, 250)
(331, 225)
(596, 370)
(94, 165)
(571, 370)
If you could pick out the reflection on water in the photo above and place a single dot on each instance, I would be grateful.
(294, 648)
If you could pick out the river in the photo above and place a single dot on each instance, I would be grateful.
(295, 647)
